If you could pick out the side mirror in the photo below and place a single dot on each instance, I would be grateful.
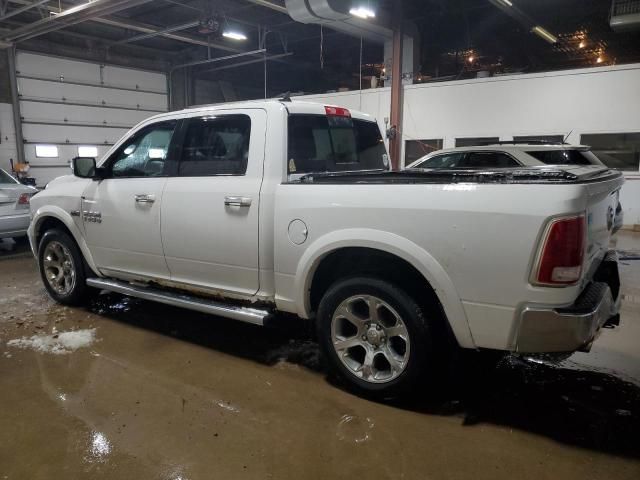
(84, 167)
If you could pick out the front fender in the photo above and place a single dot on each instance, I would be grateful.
(393, 244)
(52, 211)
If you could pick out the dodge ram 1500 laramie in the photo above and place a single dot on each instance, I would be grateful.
(247, 210)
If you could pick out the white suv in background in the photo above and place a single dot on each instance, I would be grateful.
(507, 155)
(512, 155)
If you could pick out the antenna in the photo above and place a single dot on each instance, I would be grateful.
(286, 97)
(564, 140)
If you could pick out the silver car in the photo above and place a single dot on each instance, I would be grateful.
(14, 207)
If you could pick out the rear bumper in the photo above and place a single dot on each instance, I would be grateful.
(14, 225)
(547, 329)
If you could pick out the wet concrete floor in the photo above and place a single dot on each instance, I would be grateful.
(141, 390)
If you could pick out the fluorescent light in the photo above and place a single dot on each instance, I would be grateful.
(86, 151)
(508, 3)
(157, 153)
(46, 151)
(234, 35)
(542, 33)
(362, 12)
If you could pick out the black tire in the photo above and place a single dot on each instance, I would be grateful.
(421, 367)
(79, 293)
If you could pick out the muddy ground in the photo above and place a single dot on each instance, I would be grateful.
(141, 390)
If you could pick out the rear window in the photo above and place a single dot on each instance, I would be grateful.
(470, 160)
(6, 178)
(320, 143)
(565, 157)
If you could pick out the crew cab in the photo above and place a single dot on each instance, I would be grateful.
(253, 209)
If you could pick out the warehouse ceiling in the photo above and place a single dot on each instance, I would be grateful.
(458, 38)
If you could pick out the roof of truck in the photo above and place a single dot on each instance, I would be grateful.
(293, 106)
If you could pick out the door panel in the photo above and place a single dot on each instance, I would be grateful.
(121, 214)
(209, 220)
(127, 238)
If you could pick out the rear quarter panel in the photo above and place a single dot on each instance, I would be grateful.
(475, 244)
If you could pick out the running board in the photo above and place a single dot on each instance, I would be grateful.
(243, 314)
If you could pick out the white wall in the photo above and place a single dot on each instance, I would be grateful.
(70, 103)
(7, 136)
(594, 100)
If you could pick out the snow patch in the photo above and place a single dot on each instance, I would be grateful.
(58, 343)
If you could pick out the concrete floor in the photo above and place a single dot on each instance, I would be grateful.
(163, 393)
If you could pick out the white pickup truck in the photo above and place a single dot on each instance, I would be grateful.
(250, 209)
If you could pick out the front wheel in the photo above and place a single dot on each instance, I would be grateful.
(62, 268)
(375, 337)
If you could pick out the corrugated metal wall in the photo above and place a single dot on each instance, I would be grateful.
(72, 103)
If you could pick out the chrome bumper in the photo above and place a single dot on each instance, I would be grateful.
(545, 330)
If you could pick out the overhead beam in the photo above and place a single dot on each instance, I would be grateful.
(271, 5)
(144, 36)
(71, 16)
(247, 62)
(144, 28)
(23, 9)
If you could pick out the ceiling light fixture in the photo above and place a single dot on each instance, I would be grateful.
(471, 59)
(599, 59)
(508, 3)
(544, 34)
(234, 35)
(582, 44)
(362, 12)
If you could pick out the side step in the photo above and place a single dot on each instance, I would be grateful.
(243, 314)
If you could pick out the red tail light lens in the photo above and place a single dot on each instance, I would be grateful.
(337, 112)
(562, 252)
(23, 199)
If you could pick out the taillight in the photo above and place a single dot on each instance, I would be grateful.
(560, 262)
(337, 112)
(23, 199)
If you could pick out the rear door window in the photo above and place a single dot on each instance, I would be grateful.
(5, 178)
(216, 145)
(446, 160)
(320, 143)
(565, 157)
(482, 160)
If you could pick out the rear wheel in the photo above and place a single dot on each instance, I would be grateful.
(62, 268)
(375, 337)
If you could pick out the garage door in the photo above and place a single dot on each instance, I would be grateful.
(74, 108)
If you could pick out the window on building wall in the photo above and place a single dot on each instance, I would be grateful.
(539, 138)
(615, 150)
(475, 141)
(46, 151)
(87, 151)
(416, 149)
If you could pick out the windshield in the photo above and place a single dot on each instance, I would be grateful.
(566, 157)
(6, 178)
(321, 143)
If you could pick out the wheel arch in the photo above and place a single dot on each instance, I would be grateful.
(390, 249)
(47, 218)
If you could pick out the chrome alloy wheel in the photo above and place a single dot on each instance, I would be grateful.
(59, 269)
(370, 338)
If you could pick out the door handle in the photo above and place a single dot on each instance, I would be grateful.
(145, 198)
(237, 201)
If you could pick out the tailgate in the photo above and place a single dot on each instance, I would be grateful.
(602, 202)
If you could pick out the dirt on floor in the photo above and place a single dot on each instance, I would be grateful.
(130, 389)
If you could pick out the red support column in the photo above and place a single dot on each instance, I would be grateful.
(396, 86)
